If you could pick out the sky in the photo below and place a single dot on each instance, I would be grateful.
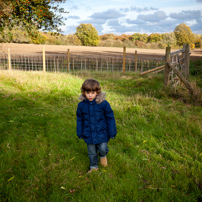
(132, 16)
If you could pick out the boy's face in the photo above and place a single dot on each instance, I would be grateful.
(91, 95)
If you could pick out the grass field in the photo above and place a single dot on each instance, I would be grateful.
(156, 156)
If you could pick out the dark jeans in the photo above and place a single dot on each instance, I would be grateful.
(93, 150)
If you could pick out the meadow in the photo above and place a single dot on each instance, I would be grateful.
(156, 155)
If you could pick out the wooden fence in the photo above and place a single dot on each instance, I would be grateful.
(69, 62)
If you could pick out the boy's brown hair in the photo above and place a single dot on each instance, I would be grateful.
(90, 85)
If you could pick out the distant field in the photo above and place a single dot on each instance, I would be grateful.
(83, 50)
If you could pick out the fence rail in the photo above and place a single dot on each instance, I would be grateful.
(69, 62)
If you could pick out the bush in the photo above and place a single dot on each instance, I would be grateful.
(38, 38)
(162, 46)
(192, 45)
(107, 36)
(140, 44)
(128, 43)
(15, 35)
(197, 41)
(107, 43)
(73, 40)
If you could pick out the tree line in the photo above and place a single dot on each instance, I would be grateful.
(87, 35)
(21, 20)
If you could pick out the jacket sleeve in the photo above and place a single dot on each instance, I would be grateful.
(111, 123)
(80, 123)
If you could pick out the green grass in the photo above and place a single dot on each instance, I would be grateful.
(156, 155)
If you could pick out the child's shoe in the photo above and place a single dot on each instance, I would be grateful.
(103, 161)
(91, 170)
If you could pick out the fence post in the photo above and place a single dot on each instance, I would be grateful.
(9, 59)
(68, 60)
(135, 61)
(167, 67)
(124, 59)
(187, 59)
(44, 60)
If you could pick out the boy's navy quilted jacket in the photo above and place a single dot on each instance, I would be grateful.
(95, 120)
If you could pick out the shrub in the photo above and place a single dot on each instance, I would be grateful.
(161, 45)
(140, 44)
(107, 43)
(73, 40)
(107, 36)
(192, 45)
(198, 41)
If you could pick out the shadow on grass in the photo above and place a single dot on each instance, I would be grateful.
(38, 137)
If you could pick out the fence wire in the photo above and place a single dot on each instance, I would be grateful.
(59, 63)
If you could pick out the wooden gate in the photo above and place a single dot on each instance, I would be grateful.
(176, 67)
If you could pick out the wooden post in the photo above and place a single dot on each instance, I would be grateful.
(68, 60)
(9, 59)
(135, 61)
(124, 59)
(44, 60)
(187, 59)
(167, 67)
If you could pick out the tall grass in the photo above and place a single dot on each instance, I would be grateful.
(156, 155)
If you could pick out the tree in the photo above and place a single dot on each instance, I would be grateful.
(198, 41)
(183, 34)
(41, 14)
(139, 37)
(155, 37)
(168, 38)
(87, 34)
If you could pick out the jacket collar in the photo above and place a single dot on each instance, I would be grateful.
(99, 98)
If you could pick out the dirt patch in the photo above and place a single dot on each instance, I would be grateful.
(83, 50)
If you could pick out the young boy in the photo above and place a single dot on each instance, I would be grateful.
(95, 122)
